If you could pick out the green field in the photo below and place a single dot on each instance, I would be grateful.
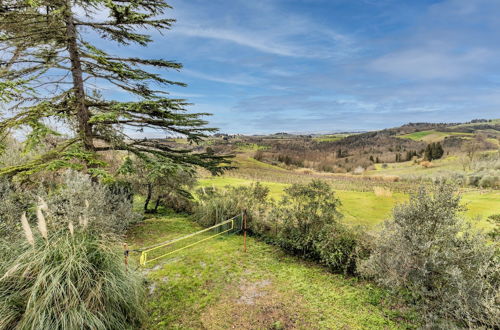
(215, 285)
(365, 208)
(432, 135)
(409, 168)
(330, 137)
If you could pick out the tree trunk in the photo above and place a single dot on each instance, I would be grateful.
(83, 113)
(157, 204)
(148, 197)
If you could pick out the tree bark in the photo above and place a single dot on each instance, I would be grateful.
(157, 204)
(148, 197)
(82, 111)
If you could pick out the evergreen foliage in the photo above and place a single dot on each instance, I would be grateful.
(433, 151)
(51, 72)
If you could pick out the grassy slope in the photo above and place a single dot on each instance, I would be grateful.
(215, 285)
(432, 135)
(330, 137)
(408, 168)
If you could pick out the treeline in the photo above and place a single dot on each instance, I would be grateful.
(343, 157)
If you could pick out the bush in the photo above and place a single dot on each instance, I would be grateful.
(69, 282)
(428, 252)
(13, 202)
(216, 205)
(107, 209)
(308, 223)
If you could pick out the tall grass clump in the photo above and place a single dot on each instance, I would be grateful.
(64, 269)
(429, 253)
(382, 192)
(69, 282)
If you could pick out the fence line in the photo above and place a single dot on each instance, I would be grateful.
(145, 251)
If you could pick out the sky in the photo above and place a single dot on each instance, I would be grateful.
(321, 66)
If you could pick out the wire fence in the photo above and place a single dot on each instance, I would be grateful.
(161, 250)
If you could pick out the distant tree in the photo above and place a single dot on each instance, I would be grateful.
(433, 151)
(377, 160)
(371, 159)
(437, 151)
(51, 72)
(428, 153)
(259, 155)
(470, 149)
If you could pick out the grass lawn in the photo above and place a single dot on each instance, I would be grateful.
(215, 285)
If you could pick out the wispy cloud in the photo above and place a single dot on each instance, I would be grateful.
(238, 79)
(252, 41)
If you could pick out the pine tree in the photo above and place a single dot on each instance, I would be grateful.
(50, 71)
(428, 153)
(437, 151)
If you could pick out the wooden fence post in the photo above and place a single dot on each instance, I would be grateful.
(244, 230)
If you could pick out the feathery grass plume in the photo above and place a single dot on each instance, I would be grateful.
(42, 224)
(27, 230)
(42, 204)
(71, 228)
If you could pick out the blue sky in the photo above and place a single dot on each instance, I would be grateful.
(265, 66)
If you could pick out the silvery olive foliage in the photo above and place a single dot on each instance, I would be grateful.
(87, 205)
(99, 207)
(431, 254)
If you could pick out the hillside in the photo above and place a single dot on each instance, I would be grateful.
(351, 152)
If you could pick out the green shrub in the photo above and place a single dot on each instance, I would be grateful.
(107, 209)
(69, 282)
(428, 252)
(309, 224)
(217, 205)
